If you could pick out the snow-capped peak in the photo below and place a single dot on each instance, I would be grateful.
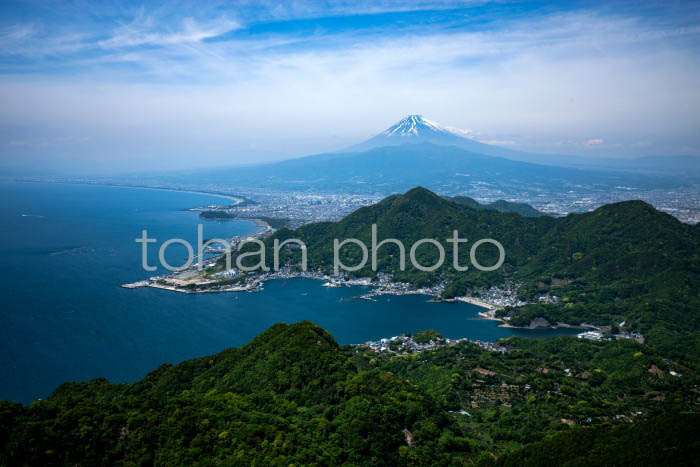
(415, 129)
(414, 125)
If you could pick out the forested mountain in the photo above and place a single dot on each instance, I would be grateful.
(292, 396)
(665, 440)
(622, 262)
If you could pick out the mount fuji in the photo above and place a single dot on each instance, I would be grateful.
(416, 129)
(416, 151)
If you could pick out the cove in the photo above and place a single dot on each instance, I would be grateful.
(68, 248)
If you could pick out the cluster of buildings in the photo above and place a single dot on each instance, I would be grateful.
(598, 335)
(507, 295)
(397, 288)
(303, 207)
(682, 202)
(406, 344)
(490, 346)
(553, 299)
(382, 285)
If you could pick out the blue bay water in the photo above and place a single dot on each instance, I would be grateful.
(64, 317)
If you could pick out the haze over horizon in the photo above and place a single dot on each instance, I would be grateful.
(100, 87)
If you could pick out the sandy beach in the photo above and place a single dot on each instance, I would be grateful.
(217, 195)
(260, 223)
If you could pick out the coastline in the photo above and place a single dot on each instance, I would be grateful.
(488, 313)
(491, 315)
(488, 309)
(265, 227)
(258, 282)
(237, 199)
(475, 301)
(259, 222)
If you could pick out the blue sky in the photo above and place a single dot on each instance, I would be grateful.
(139, 86)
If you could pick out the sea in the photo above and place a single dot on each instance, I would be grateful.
(67, 248)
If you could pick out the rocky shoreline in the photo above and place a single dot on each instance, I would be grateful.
(379, 288)
(537, 323)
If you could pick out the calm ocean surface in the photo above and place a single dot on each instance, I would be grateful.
(67, 248)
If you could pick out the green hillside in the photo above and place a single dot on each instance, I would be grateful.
(292, 396)
(666, 440)
(622, 262)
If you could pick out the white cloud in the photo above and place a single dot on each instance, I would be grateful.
(499, 142)
(461, 131)
(145, 30)
(16, 33)
(537, 84)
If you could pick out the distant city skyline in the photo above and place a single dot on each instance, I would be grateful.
(107, 87)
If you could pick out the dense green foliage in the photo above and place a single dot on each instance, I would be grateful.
(274, 222)
(424, 337)
(217, 215)
(293, 397)
(666, 440)
(290, 397)
(622, 262)
(417, 215)
(520, 395)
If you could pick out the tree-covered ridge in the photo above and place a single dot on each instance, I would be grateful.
(294, 397)
(542, 386)
(622, 262)
(220, 214)
(666, 440)
(217, 215)
(290, 397)
(501, 205)
(417, 215)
